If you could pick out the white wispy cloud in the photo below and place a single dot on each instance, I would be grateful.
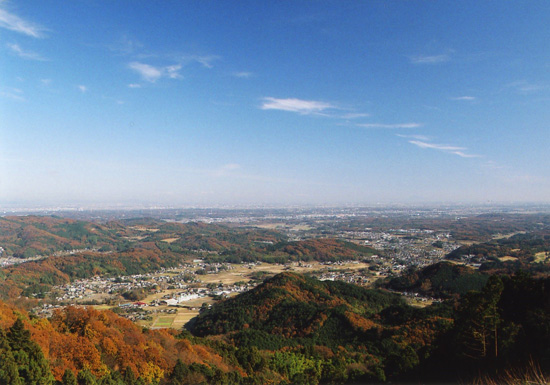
(492, 165)
(134, 85)
(173, 71)
(527, 87)
(15, 23)
(466, 98)
(417, 137)
(152, 74)
(15, 48)
(355, 115)
(12, 93)
(429, 59)
(243, 74)
(46, 82)
(205, 60)
(125, 45)
(445, 148)
(82, 88)
(146, 71)
(226, 169)
(384, 125)
(304, 107)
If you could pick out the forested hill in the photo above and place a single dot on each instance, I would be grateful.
(440, 280)
(28, 236)
(293, 305)
(361, 334)
(529, 251)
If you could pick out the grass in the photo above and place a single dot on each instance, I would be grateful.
(541, 257)
(531, 375)
(164, 322)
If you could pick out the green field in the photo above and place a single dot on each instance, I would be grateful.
(164, 322)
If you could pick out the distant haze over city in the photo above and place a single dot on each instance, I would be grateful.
(192, 104)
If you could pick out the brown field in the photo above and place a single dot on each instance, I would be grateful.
(270, 226)
(507, 258)
(502, 236)
(141, 228)
(273, 226)
(169, 240)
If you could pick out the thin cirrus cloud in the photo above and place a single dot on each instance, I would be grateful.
(464, 98)
(304, 107)
(152, 74)
(15, 23)
(355, 115)
(429, 59)
(417, 137)
(207, 61)
(125, 45)
(12, 93)
(445, 148)
(225, 170)
(16, 49)
(390, 126)
(243, 74)
(525, 87)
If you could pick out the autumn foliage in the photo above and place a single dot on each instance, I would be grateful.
(78, 338)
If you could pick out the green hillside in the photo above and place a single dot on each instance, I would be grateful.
(293, 305)
(441, 280)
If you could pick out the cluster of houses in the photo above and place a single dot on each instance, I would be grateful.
(10, 260)
(87, 288)
(221, 291)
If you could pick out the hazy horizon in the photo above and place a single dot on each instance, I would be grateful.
(196, 103)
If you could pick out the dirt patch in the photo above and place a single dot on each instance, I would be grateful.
(169, 240)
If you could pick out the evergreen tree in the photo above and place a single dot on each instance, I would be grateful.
(85, 377)
(179, 373)
(9, 374)
(19, 337)
(129, 377)
(69, 378)
(108, 380)
(33, 367)
(479, 320)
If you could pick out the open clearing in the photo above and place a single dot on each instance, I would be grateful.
(541, 257)
(169, 240)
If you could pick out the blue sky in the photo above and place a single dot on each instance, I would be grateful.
(278, 102)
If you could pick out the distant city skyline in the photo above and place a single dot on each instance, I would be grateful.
(204, 103)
